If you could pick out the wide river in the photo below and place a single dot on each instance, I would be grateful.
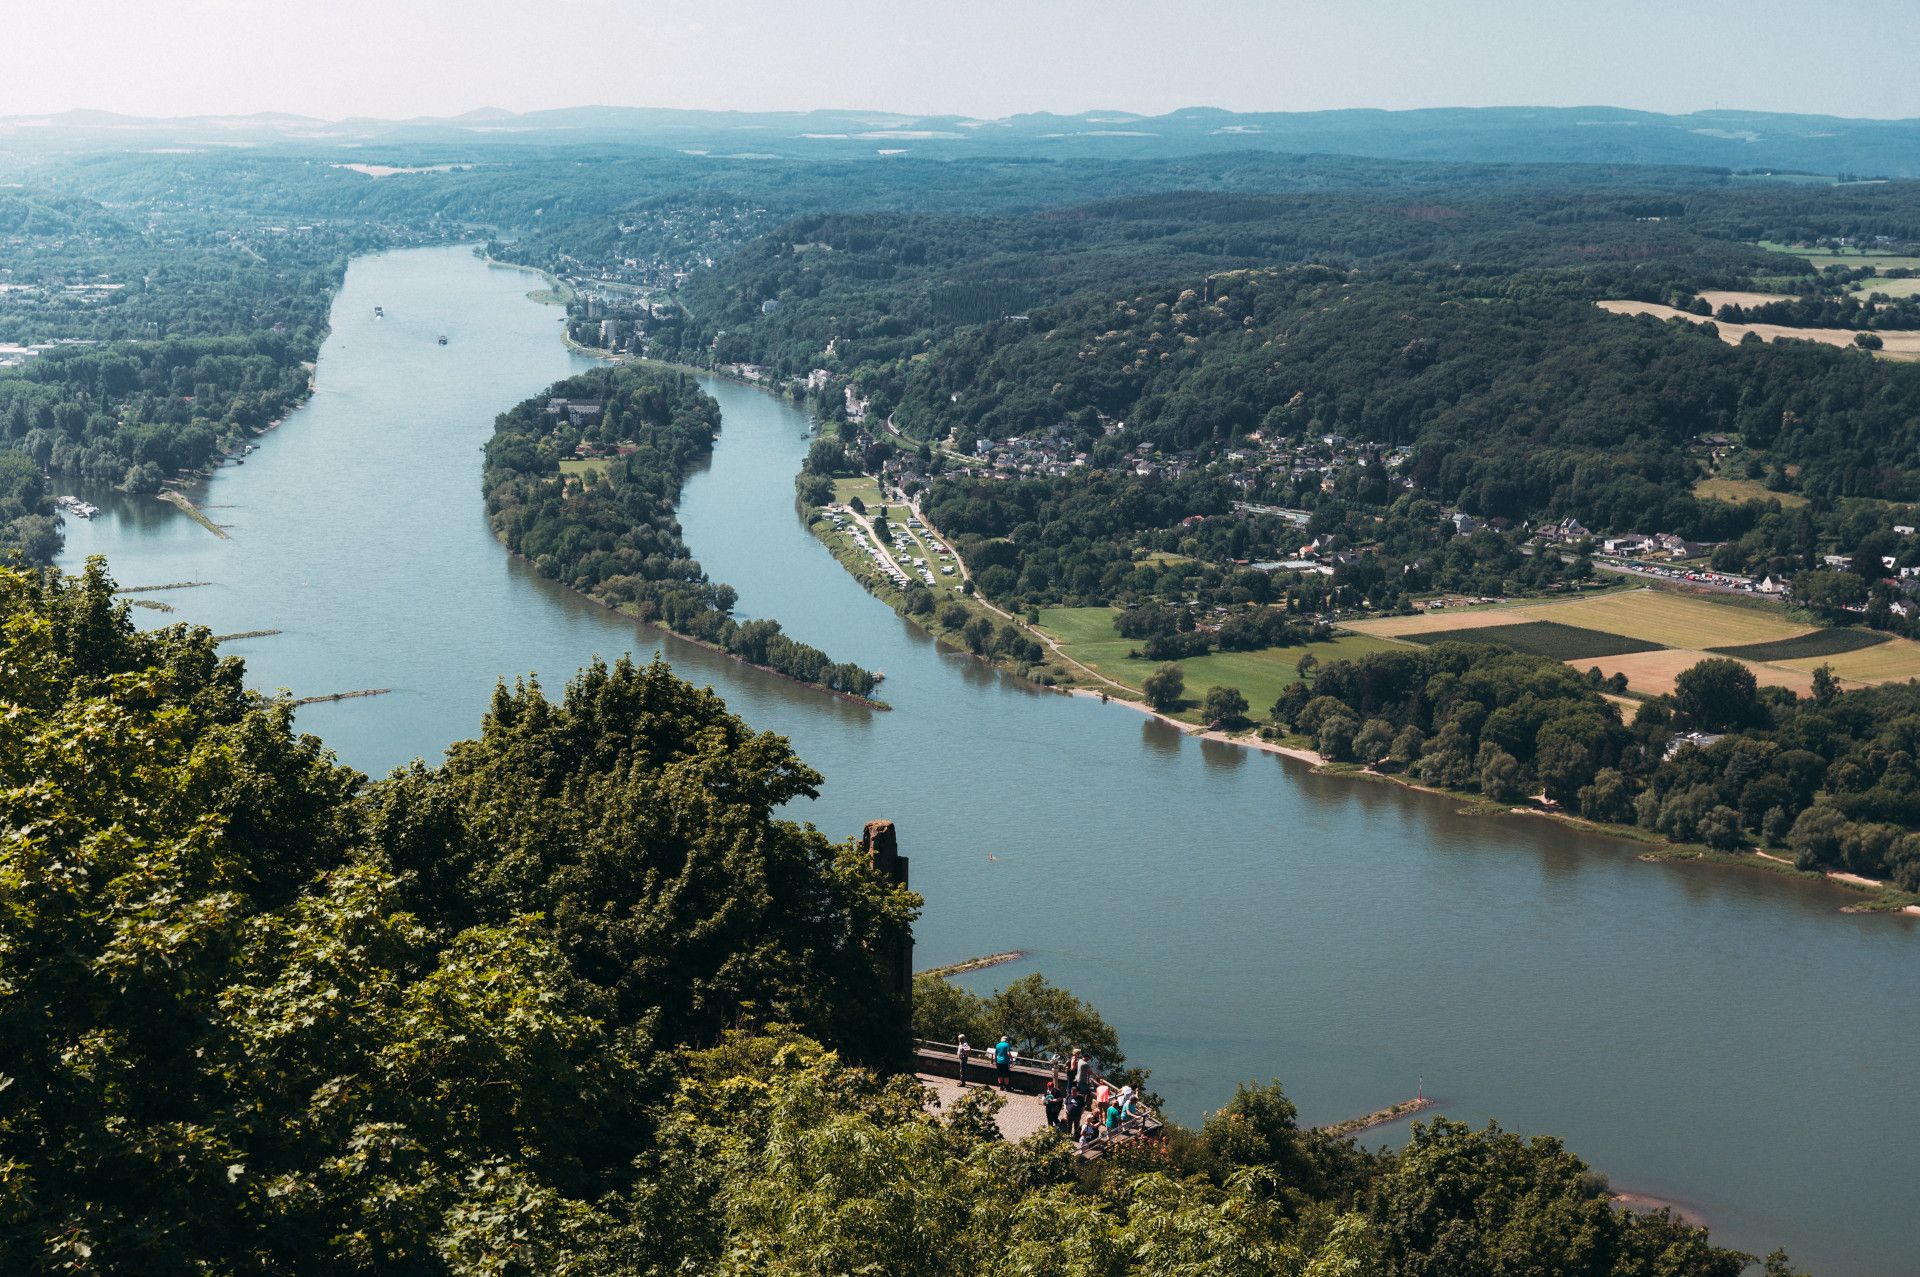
(1723, 1039)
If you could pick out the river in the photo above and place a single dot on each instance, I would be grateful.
(1725, 1039)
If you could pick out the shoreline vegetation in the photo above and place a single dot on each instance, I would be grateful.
(715, 648)
(1888, 898)
(1882, 896)
(582, 482)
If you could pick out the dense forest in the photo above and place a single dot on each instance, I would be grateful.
(576, 1001)
(1830, 778)
(134, 413)
(607, 527)
(1520, 402)
(160, 343)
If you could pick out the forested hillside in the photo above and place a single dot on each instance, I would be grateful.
(606, 526)
(581, 1000)
(1518, 399)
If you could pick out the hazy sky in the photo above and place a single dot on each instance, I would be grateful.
(984, 57)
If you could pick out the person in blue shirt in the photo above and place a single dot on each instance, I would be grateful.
(1003, 1062)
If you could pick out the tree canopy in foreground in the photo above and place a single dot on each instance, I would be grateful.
(577, 1000)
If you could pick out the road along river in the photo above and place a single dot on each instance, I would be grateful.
(1724, 1039)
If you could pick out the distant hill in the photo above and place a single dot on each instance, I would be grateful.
(1738, 140)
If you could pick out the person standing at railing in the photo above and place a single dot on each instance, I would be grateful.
(964, 1050)
(1126, 1100)
(1003, 1063)
(1112, 1121)
(1050, 1100)
(1076, 1105)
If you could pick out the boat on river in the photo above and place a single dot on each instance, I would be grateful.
(379, 312)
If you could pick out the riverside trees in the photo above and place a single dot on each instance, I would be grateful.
(1830, 777)
(609, 531)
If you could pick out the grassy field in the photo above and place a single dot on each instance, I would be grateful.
(1543, 638)
(1087, 634)
(1891, 287)
(1816, 643)
(1851, 257)
(1735, 491)
(868, 490)
(581, 467)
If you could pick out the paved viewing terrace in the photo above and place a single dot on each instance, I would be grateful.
(1020, 1117)
(938, 1068)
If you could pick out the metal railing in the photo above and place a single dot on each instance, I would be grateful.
(1141, 1123)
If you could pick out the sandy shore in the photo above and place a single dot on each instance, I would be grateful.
(1646, 1203)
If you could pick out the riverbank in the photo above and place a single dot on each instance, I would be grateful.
(1884, 896)
(715, 648)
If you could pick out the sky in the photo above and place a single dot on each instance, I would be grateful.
(400, 58)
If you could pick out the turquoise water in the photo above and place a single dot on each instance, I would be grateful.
(1719, 1038)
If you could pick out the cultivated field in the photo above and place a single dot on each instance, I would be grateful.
(1812, 645)
(1443, 619)
(1718, 297)
(1735, 491)
(1679, 631)
(1671, 620)
(1652, 616)
(1542, 638)
(1896, 660)
(1897, 345)
(1653, 673)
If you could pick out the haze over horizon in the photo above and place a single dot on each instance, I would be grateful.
(990, 59)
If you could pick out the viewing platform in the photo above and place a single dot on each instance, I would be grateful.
(937, 1065)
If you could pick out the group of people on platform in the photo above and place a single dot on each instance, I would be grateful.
(1083, 1107)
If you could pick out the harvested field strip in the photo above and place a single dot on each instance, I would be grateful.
(1671, 620)
(1412, 627)
(1653, 673)
(1830, 642)
(1543, 638)
(1897, 342)
(1894, 661)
